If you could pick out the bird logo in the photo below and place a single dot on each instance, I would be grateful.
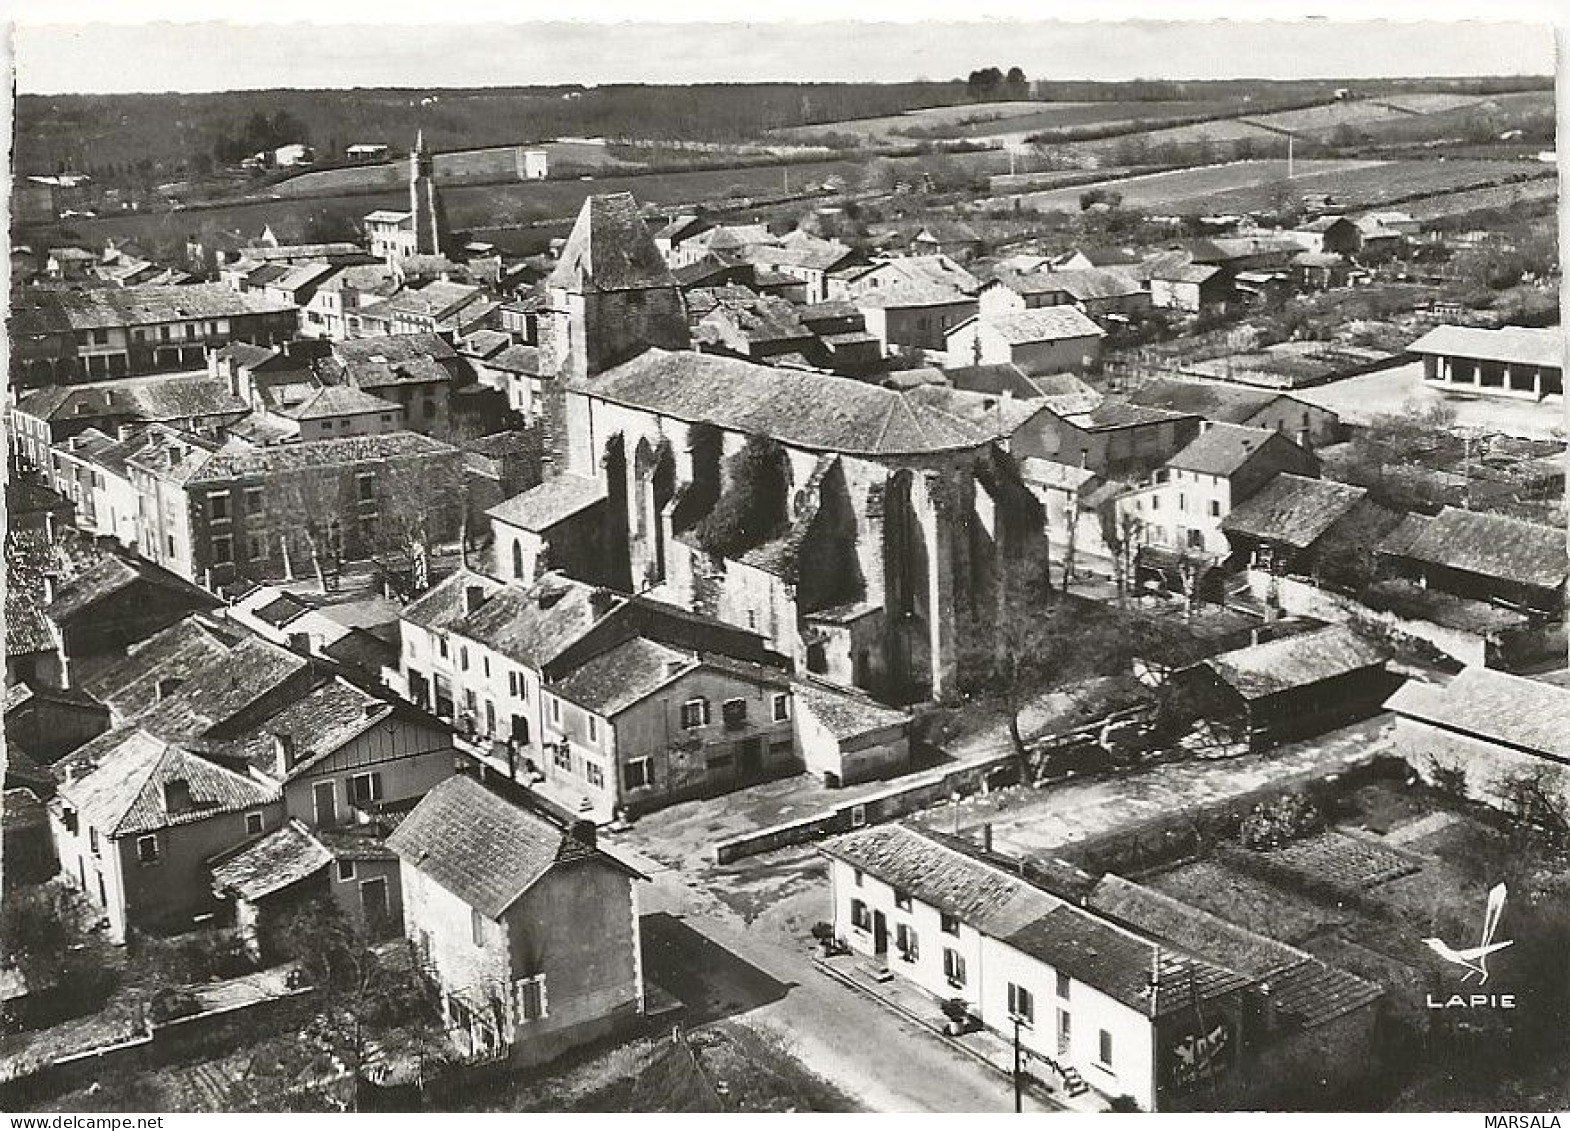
(1475, 958)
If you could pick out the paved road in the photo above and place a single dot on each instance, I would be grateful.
(701, 951)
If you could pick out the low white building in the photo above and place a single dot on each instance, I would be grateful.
(1134, 993)
(1047, 339)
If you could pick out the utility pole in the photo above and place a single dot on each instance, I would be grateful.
(1290, 138)
(1019, 1095)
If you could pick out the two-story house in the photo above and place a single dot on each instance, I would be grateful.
(136, 820)
(528, 931)
(1182, 508)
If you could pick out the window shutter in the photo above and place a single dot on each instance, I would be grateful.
(705, 712)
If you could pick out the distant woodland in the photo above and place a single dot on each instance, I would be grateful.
(167, 135)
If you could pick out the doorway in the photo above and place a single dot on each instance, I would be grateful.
(325, 800)
(880, 934)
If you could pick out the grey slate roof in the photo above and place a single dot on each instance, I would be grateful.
(102, 308)
(482, 848)
(1213, 400)
(1044, 324)
(846, 713)
(129, 686)
(623, 676)
(247, 463)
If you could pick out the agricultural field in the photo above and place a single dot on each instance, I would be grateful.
(1007, 120)
(1538, 191)
(1246, 186)
(489, 164)
(1189, 189)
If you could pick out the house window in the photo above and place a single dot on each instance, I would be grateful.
(953, 967)
(902, 899)
(92, 840)
(485, 666)
(1022, 1006)
(594, 730)
(781, 707)
(734, 712)
(639, 773)
(477, 926)
(595, 774)
(1104, 1049)
(223, 549)
(146, 850)
(529, 997)
(1063, 984)
(512, 684)
(694, 714)
(858, 876)
(463, 656)
(562, 756)
(555, 709)
(907, 942)
(256, 545)
(949, 925)
(346, 870)
(860, 917)
(441, 645)
(365, 789)
(253, 824)
(1215, 508)
(365, 482)
(219, 504)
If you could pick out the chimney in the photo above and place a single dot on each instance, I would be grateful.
(600, 601)
(372, 709)
(177, 795)
(473, 597)
(986, 837)
(283, 749)
(583, 832)
(49, 589)
(1305, 439)
(124, 432)
(165, 687)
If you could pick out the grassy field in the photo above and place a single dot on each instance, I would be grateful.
(1243, 186)
(491, 164)
(1007, 119)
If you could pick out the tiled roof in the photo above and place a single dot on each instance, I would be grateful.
(338, 451)
(845, 712)
(534, 625)
(1087, 284)
(1290, 662)
(997, 416)
(129, 686)
(216, 694)
(270, 863)
(994, 379)
(499, 445)
(1293, 510)
(393, 347)
(319, 722)
(917, 292)
(610, 249)
(33, 498)
(1493, 705)
(1306, 991)
(484, 343)
(624, 675)
(375, 374)
(482, 848)
(1221, 449)
(1213, 400)
(1494, 545)
(812, 254)
(63, 402)
(517, 359)
(1527, 345)
(553, 501)
(120, 778)
(1008, 908)
(1043, 324)
(806, 410)
(338, 400)
(441, 606)
(140, 306)
(1400, 540)
(112, 576)
(1105, 414)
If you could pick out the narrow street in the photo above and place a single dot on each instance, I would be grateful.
(721, 967)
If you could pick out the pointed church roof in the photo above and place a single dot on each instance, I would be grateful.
(610, 249)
